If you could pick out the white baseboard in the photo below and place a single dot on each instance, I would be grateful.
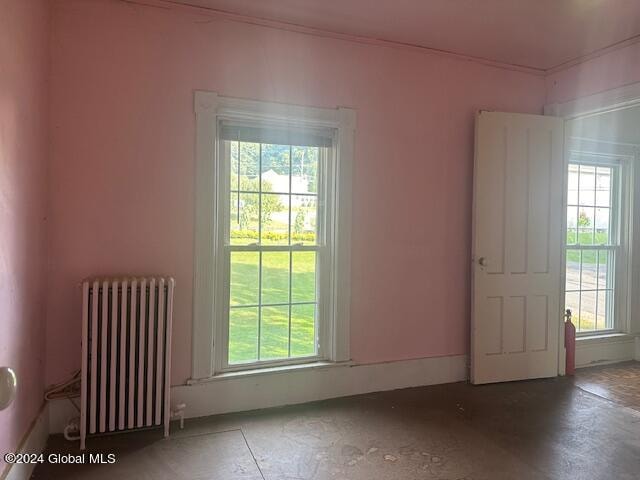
(237, 393)
(34, 441)
(273, 389)
(604, 350)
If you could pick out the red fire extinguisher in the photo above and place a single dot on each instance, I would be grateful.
(570, 343)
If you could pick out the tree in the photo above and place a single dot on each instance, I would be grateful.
(276, 158)
(583, 219)
(298, 224)
(250, 203)
(246, 159)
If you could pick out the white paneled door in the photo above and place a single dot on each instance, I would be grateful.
(517, 247)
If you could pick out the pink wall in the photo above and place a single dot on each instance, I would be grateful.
(23, 153)
(615, 69)
(123, 163)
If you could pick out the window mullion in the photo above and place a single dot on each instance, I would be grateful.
(238, 186)
(614, 205)
(255, 247)
(580, 292)
(597, 285)
(260, 193)
(595, 209)
(578, 215)
(281, 304)
(260, 254)
(290, 278)
(259, 303)
(290, 242)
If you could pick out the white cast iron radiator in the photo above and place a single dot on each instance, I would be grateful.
(126, 354)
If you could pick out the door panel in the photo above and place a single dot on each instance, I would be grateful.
(517, 247)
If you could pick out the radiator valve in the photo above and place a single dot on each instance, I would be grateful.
(178, 412)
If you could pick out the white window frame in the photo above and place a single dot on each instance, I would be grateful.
(617, 345)
(598, 153)
(209, 294)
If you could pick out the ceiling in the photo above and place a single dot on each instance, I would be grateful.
(539, 34)
(620, 126)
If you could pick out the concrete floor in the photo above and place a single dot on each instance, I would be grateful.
(540, 429)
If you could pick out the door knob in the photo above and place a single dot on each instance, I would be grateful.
(482, 262)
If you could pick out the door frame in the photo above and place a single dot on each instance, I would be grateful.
(606, 101)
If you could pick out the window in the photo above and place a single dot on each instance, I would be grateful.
(272, 240)
(276, 241)
(593, 242)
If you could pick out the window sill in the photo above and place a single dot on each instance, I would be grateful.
(269, 371)
(605, 338)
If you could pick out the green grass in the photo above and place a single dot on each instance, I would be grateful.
(274, 326)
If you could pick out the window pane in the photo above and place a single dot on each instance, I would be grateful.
(573, 270)
(572, 190)
(587, 311)
(602, 226)
(249, 166)
(243, 218)
(244, 278)
(303, 277)
(572, 302)
(572, 225)
(275, 277)
(274, 333)
(589, 266)
(585, 225)
(304, 169)
(605, 269)
(275, 168)
(243, 335)
(603, 187)
(304, 213)
(303, 330)
(587, 185)
(275, 219)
